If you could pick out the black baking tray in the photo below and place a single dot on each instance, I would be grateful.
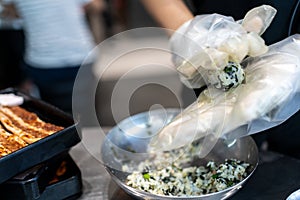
(42, 182)
(46, 148)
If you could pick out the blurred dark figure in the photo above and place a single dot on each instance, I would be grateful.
(115, 16)
(11, 48)
(120, 14)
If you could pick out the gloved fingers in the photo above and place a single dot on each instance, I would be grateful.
(208, 49)
(236, 47)
(259, 19)
(205, 59)
(204, 33)
(256, 45)
(188, 127)
(195, 82)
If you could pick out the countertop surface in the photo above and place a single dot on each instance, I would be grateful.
(276, 176)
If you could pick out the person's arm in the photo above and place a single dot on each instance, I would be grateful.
(9, 10)
(170, 14)
(94, 6)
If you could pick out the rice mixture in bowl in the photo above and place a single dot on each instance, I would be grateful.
(177, 180)
(177, 174)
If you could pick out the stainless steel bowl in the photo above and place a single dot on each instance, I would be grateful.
(128, 141)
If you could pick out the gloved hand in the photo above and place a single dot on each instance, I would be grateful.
(208, 49)
(269, 96)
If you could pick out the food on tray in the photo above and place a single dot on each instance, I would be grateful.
(9, 142)
(190, 181)
(19, 127)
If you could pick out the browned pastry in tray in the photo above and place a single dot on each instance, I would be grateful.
(20, 127)
(9, 142)
(3, 151)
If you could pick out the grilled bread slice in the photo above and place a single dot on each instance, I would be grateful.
(19, 127)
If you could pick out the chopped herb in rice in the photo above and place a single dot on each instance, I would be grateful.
(190, 181)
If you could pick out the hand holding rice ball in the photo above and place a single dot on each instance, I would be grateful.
(261, 88)
(208, 49)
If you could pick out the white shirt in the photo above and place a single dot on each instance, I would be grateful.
(56, 32)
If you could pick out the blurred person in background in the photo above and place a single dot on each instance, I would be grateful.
(171, 14)
(11, 49)
(58, 39)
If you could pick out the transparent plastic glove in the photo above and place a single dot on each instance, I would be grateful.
(207, 44)
(270, 95)
(258, 19)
